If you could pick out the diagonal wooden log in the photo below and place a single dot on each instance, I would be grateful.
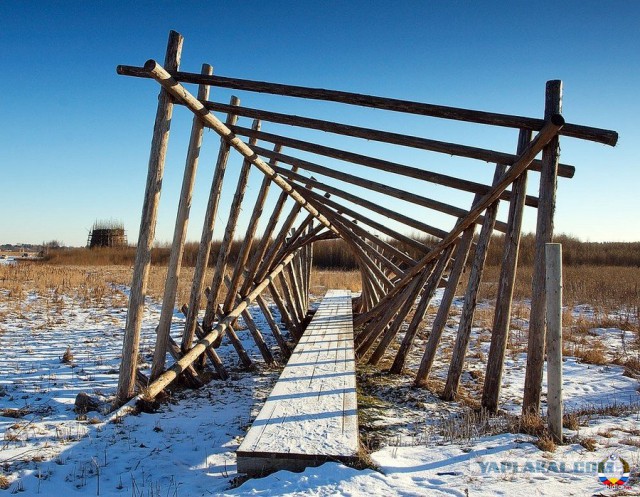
(442, 315)
(204, 249)
(421, 311)
(471, 297)
(155, 173)
(506, 284)
(183, 96)
(536, 145)
(275, 330)
(210, 352)
(172, 373)
(179, 237)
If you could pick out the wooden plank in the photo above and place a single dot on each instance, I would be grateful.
(311, 415)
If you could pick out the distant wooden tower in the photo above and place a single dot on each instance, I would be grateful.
(107, 234)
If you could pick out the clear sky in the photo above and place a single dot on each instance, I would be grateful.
(75, 136)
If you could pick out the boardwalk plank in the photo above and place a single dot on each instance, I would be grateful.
(311, 415)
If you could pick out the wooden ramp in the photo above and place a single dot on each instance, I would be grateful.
(311, 415)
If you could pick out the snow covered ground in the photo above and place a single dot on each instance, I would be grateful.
(423, 446)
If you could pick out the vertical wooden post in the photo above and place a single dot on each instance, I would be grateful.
(159, 143)
(553, 286)
(544, 235)
(502, 317)
(227, 241)
(179, 235)
(202, 261)
(421, 310)
(462, 252)
(471, 296)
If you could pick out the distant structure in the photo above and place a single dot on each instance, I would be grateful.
(107, 234)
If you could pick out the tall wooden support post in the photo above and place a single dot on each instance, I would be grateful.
(553, 284)
(159, 143)
(197, 287)
(440, 321)
(179, 236)
(502, 317)
(544, 235)
(471, 296)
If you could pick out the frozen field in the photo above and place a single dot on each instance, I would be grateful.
(187, 447)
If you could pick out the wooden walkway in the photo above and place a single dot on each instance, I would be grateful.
(311, 415)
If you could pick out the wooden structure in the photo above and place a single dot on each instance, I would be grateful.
(107, 234)
(410, 227)
(310, 416)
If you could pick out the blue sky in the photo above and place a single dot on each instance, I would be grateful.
(75, 136)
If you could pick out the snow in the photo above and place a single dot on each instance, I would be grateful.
(187, 447)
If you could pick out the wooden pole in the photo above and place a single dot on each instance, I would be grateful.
(159, 143)
(275, 329)
(247, 243)
(607, 137)
(544, 235)
(182, 95)
(554, 338)
(179, 236)
(502, 317)
(421, 311)
(471, 297)
(172, 373)
(227, 241)
(211, 354)
(204, 249)
(541, 139)
(442, 315)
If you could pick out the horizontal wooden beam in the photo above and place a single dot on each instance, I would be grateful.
(372, 206)
(426, 202)
(375, 163)
(481, 154)
(608, 137)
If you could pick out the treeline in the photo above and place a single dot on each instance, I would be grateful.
(336, 254)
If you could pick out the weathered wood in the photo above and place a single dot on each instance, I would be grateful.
(544, 235)
(368, 336)
(296, 291)
(599, 135)
(227, 241)
(372, 206)
(311, 412)
(179, 236)
(375, 163)
(247, 243)
(278, 245)
(289, 301)
(172, 373)
(507, 178)
(421, 311)
(159, 143)
(506, 284)
(470, 297)
(285, 315)
(396, 193)
(265, 240)
(554, 338)
(273, 326)
(193, 104)
(204, 249)
(210, 352)
(440, 321)
(383, 136)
